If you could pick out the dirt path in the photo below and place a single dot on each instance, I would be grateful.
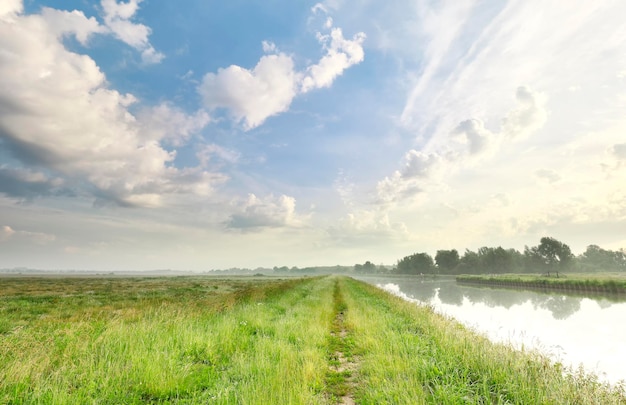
(341, 376)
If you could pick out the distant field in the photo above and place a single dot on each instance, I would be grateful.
(198, 340)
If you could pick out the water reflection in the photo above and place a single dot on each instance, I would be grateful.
(574, 330)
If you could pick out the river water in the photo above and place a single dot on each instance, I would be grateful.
(587, 332)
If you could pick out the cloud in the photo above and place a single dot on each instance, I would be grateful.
(549, 176)
(117, 18)
(528, 117)
(619, 151)
(253, 95)
(40, 238)
(9, 8)
(422, 170)
(168, 123)
(5, 233)
(421, 165)
(271, 212)
(58, 113)
(366, 227)
(479, 139)
(26, 184)
(340, 55)
(62, 23)
(206, 154)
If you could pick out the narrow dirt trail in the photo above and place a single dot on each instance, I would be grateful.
(341, 376)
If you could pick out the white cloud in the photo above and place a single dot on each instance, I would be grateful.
(269, 47)
(57, 112)
(340, 55)
(166, 122)
(252, 95)
(72, 22)
(480, 140)
(270, 212)
(206, 154)
(10, 8)
(117, 18)
(423, 171)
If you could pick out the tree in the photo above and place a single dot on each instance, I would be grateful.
(550, 255)
(366, 268)
(597, 259)
(416, 264)
(447, 260)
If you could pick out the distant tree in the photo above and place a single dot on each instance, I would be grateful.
(597, 259)
(550, 255)
(469, 263)
(416, 264)
(447, 260)
(366, 268)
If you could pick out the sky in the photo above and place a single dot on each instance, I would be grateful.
(207, 134)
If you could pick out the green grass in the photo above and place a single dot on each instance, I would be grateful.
(410, 355)
(612, 283)
(165, 340)
(198, 340)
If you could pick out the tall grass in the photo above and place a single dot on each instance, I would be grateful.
(256, 341)
(411, 355)
(181, 342)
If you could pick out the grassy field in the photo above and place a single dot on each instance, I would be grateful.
(612, 283)
(197, 340)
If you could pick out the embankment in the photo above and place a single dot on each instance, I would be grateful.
(574, 285)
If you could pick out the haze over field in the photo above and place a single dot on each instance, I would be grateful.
(211, 134)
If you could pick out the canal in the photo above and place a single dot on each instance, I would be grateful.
(578, 331)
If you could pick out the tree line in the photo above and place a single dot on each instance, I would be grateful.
(550, 256)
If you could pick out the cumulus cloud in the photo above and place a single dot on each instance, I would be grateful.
(421, 170)
(166, 122)
(58, 113)
(9, 8)
(270, 212)
(117, 17)
(479, 139)
(75, 22)
(253, 95)
(420, 164)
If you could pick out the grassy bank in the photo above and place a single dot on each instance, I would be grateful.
(608, 283)
(256, 341)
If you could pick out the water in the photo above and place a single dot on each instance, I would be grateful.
(577, 331)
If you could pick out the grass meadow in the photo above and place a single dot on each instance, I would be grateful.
(199, 340)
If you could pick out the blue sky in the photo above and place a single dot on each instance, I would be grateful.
(152, 134)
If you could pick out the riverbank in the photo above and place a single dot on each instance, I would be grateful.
(602, 283)
(258, 341)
